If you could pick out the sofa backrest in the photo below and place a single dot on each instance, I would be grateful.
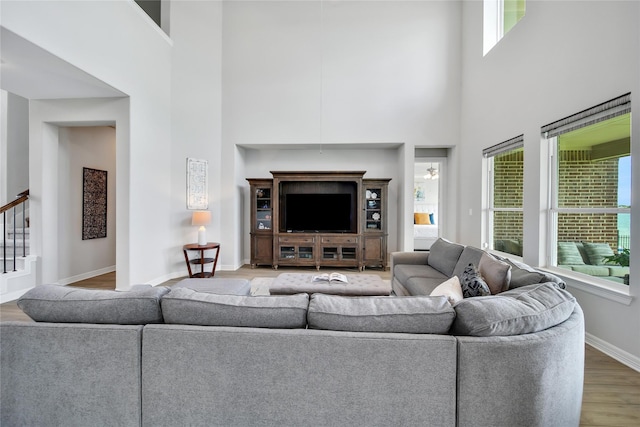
(255, 376)
(444, 255)
(469, 255)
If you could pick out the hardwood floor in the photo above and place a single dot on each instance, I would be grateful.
(611, 390)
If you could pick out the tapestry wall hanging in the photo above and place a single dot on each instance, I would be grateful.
(197, 187)
(94, 204)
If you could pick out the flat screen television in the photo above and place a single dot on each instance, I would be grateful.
(319, 212)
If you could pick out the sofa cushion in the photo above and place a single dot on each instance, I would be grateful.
(618, 271)
(469, 255)
(496, 273)
(404, 272)
(443, 256)
(591, 270)
(518, 311)
(596, 252)
(473, 285)
(568, 254)
(450, 289)
(414, 315)
(188, 307)
(69, 304)
(422, 285)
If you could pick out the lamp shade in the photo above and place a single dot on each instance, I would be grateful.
(201, 218)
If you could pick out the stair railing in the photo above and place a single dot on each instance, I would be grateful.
(20, 201)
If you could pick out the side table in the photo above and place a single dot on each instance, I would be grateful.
(201, 260)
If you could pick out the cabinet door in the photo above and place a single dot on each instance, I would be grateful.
(262, 249)
(373, 208)
(374, 249)
(264, 213)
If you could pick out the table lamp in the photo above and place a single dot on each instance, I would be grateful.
(201, 218)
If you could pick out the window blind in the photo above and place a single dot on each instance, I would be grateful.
(504, 146)
(601, 112)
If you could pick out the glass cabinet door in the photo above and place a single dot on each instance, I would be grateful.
(263, 209)
(373, 209)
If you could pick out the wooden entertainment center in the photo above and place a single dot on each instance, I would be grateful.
(332, 218)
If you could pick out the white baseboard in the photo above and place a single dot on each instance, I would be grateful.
(160, 280)
(614, 352)
(87, 275)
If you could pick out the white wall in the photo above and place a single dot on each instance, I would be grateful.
(122, 47)
(196, 31)
(80, 147)
(17, 146)
(563, 57)
(301, 73)
(378, 163)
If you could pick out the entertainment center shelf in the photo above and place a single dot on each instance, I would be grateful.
(326, 218)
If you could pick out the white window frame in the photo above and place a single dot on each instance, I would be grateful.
(489, 156)
(591, 284)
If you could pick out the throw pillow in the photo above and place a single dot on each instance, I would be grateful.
(188, 307)
(450, 289)
(444, 255)
(525, 310)
(568, 254)
(68, 304)
(596, 252)
(421, 218)
(473, 285)
(413, 315)
(496, 273)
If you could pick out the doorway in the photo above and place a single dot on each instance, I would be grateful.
(427, 201)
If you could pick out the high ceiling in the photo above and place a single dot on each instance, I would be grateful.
(33, 73)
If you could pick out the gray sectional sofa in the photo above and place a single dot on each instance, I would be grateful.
(161, 357)
(419, 273)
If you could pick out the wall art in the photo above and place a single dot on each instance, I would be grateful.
(94, 203)
(197, 184)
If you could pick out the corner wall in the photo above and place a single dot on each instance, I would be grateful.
(123, 48)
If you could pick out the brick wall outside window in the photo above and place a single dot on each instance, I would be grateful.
(582, 183)
(507, 193)
(587, 183)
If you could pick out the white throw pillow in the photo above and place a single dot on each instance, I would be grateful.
(450, 289)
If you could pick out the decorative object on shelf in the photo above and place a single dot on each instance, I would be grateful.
(376, 216)
(368, 193)
(201, 218)
(197, 184)
(374, 195)
(94, 203)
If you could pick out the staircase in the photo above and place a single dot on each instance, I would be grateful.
(17, 243)
(17, 266)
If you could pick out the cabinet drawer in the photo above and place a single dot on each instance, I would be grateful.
(340, 239)
(296, 239)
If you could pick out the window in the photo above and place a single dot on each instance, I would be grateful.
(505, 166)
(590, 212)
(500, 16)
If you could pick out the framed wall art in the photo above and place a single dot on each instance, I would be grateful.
(94, 203)
(197, 184)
